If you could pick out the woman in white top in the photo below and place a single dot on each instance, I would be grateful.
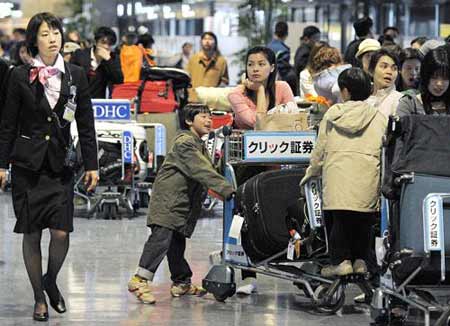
(326, 65)
(306, 80)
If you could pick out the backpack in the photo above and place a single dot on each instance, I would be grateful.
(132, 59)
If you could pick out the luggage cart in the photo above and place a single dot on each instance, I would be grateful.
(414, 256)
(327, 294)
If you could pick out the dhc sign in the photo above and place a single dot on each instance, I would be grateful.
(127, 147)
(111, 110)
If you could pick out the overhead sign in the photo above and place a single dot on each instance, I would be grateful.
(112, 110)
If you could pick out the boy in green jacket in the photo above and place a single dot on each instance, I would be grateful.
(177, 195)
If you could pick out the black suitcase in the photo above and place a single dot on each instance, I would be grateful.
(270, 205)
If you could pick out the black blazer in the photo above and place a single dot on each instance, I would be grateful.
(4, 74)
(107, 73)
(28, 133)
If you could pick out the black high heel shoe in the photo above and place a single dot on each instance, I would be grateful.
(40, 316)
(56, 299)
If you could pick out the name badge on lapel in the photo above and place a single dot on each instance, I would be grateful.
(71, 107)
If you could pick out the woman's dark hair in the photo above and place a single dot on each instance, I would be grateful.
(15, 55)
(435, 63)
(216, 44)
(270, 87)
(357, 82)
(377, 56)
(409, 54)
(33, 27)
(191, 110)
(406, 54)
(107, 32)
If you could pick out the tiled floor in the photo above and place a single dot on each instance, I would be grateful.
(103, 255)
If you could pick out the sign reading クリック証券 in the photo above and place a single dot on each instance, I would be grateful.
(278, 146)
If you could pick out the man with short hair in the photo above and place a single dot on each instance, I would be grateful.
(283, 54)
(363, 30)
(311, 35)
(100, 63)
(207, 67)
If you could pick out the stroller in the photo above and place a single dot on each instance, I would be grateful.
(414, 251)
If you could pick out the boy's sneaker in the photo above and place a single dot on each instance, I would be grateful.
(140, 288)
(177, 290)
(359, 266)
(342, 269)
(248, 286)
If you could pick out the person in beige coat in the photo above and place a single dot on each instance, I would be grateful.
(347, 156)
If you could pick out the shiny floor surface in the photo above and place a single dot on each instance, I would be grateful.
(104, 253)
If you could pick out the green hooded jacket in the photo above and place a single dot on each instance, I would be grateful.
(181, 184)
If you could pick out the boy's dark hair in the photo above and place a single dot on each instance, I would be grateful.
(281, 29)
(190, 111)
(107, 32)
(362, 26)
(357, 82)
(380, 53)
(33, 27)
(421, 40)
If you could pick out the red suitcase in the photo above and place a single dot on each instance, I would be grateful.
(157, 97)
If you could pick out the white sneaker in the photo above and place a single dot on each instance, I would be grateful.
(248, 286)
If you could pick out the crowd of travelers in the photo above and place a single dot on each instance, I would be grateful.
(372, 79)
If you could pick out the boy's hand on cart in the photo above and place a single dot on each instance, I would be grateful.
(91, 179)
(2, 179)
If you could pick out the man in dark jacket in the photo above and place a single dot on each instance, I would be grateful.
(362, 28)
(177, 195)
(100, 63)
(4, 74)
(311, 35)
(283, 54)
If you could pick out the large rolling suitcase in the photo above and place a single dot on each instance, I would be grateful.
(269, 202)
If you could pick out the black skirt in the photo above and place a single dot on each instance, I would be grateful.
(42, 199)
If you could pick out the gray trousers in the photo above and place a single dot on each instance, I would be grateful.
(160, 243)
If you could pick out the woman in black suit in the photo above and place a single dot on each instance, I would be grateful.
(42, 100)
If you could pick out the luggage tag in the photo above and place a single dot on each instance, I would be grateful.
(71, 107)
(290, 250)
(236, 226)
(294, 245)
